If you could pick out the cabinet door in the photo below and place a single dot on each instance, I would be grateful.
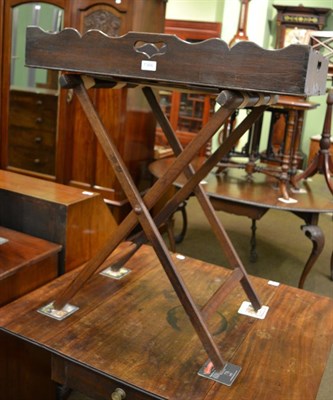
(29, 97)
(125, 114)
(80, 160)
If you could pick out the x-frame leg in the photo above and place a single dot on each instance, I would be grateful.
(203, 199)
(140, 213)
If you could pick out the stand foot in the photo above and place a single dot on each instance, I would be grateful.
(52, 312)
(226, 376)
(115, 273)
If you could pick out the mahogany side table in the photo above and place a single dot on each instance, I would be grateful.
(132, 337)
(232, 192)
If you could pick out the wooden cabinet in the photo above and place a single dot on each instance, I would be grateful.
(187, 113)
(293, 22)
(59, 144)
(32, 130)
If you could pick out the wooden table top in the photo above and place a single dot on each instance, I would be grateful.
(262, 191)
(43, 189)
(134, 332)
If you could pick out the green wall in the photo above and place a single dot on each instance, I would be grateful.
(195, 10)
(261, 29)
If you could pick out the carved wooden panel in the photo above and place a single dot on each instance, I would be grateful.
(103, 20)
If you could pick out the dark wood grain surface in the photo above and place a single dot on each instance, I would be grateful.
(209, 65)
(135, 335)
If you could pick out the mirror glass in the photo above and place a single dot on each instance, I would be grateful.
(44, 15)
(33, 99)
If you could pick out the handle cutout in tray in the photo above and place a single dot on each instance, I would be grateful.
(150, 49)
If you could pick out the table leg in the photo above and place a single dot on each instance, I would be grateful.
(63, 392)
(296, 144)
(287, 154)
(181, 235)
(315, 234)
(253, 242)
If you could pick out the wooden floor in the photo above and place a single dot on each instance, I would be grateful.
(133, 334)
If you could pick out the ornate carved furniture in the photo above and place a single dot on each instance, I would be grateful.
(51, 138)
(323, 160)
(232, 192)
(152, 60)
(281, 158)
(284, 139)
(286, 131)
(293, 25)
(293, 22)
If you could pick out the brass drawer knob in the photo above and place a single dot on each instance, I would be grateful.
(38, 139)
(118, 394)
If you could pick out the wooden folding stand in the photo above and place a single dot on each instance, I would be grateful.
(244, 76)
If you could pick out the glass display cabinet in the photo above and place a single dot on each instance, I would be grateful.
(187, 112)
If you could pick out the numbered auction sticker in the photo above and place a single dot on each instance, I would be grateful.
(147, 65)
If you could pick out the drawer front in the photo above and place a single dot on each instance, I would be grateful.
(32, 159)
(94, 383)
(32, 131)
(33, 110)
(32, 139)
(31, 150)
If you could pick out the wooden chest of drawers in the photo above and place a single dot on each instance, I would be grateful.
(32, 130)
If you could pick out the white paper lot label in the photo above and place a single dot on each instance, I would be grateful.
(147, 65)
